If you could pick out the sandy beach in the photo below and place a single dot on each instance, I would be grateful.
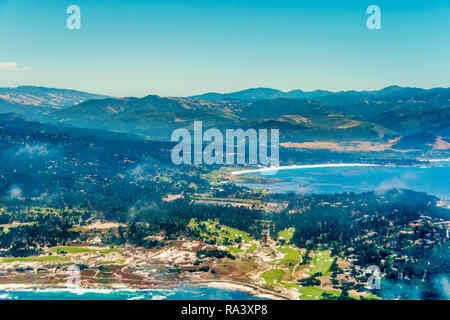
(308, 166)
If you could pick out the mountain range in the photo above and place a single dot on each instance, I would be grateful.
(389, 114)
(323, 96)
(46, 97)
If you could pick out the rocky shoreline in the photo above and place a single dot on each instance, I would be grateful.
(218, 284)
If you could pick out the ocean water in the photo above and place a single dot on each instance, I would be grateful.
(184, 293)
(433, 180)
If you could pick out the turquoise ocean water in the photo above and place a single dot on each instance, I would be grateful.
(184, 293)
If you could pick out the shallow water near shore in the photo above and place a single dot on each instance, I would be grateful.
(185, 293)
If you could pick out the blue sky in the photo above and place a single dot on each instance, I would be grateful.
(177, 48)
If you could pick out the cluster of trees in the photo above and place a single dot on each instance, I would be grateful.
(219, 254)
(394, 231)
(28, 239)
(305, 156)
(171, 220)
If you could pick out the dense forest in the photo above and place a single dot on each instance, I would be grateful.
(82, 176)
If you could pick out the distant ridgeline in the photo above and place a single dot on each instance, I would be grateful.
(413, 118)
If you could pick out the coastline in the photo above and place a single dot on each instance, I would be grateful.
(250, 289)
(307, 166)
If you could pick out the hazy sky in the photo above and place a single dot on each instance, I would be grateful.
(176, 48)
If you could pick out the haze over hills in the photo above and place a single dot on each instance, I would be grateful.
(377, 116)
(151, 116)
(13, 107)
(46, 97)
(12, 124)
(157, 117)
(323, 96)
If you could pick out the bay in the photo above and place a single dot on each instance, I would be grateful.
(433, 180)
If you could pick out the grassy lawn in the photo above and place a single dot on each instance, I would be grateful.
(113, 262)
(373, 297)
(105, 251)
(290, 285)
(220, 232)
(235, 233)
(69, 249)
(32, 259)
(314, 293)
(73, 249)
(234, 249)
(273, 276)
(291, 257)
(213, 177)
(322, 262)
(286, 234)
(251, 249)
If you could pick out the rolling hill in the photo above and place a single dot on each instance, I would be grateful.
(156, 118)
(46, 97)
(151, 116)
(380, 116)
(322, 96)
